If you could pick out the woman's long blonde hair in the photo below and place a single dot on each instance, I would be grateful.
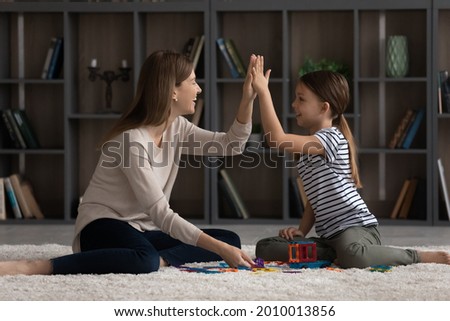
(333, 88)
(160, 73)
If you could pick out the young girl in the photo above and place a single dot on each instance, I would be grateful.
(347, 230)
(125, 223)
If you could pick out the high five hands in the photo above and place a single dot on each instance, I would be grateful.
(259, 79)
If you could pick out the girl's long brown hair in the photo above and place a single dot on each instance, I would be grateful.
(160, 73)
(333, 88)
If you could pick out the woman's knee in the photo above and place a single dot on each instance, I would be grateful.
(145, 263)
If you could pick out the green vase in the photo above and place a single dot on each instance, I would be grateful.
(397, 56)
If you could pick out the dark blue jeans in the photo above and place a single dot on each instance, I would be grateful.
(113, 246)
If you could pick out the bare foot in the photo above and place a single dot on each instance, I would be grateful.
(162, 262)
(26, 267)
(434, 257)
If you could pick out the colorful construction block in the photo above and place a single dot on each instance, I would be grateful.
(299, 252)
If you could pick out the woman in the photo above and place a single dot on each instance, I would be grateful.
(125, 223)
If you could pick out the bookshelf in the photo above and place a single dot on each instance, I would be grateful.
(296, 30)
(441, 121)
(286, 32)
(71, 128)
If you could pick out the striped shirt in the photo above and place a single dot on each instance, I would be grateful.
(330, 188)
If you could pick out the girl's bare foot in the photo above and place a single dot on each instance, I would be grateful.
(434, 257)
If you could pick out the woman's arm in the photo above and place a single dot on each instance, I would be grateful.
(244, 114)
(276, 137)
(232, 255)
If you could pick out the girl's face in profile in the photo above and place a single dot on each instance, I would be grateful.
(307, 107)
(186, 95)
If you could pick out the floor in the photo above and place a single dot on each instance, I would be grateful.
(250, 234)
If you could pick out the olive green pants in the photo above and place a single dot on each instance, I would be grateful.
(356, 247)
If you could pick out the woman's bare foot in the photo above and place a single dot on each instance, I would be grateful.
(26, 267)
(434, 257)
(162, 262)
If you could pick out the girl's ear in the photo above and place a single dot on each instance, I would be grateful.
(326, 107)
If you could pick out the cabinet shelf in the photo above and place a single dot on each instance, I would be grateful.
(286, 32)
(42, 151)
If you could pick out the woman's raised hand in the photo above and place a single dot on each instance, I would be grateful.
(248, 91)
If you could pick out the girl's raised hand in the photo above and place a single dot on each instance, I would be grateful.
(260, 80)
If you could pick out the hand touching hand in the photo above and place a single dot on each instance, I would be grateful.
(248, 92)
(260, 81)
(289, 233)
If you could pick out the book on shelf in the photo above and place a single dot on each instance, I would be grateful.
(398, 204)
(223, 49)
(26, 129)
(408, 199)
(48, 57)
(20, 197)
(56, 61)
(19, 128)
(16, 185)
(11, 196)
(13, 129)
(443, 184)
(194, 49)
(407, 129)
(197, 50)
(443, 92)
(235, 57)
(296, 206)
(401, 128)
(413, 129)
(2, 199)
(30, 199)
(9, 131)
(232, 196)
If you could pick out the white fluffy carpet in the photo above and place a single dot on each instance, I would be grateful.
(415, 282)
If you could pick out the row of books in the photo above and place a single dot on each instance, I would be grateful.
(411, 201)
(232, 57)
(194, 49)
(232, 205)
(407, 129)
(17, 199)
(443, 92)
(19, 129)
(54, 59)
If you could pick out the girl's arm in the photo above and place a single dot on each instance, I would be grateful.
(305, 226)
(276, 137)
(308, 220)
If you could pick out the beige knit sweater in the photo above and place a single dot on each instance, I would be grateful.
(133, 179)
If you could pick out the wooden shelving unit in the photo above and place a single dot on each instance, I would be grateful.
(64, 111)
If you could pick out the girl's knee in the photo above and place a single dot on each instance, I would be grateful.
(354, 256)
